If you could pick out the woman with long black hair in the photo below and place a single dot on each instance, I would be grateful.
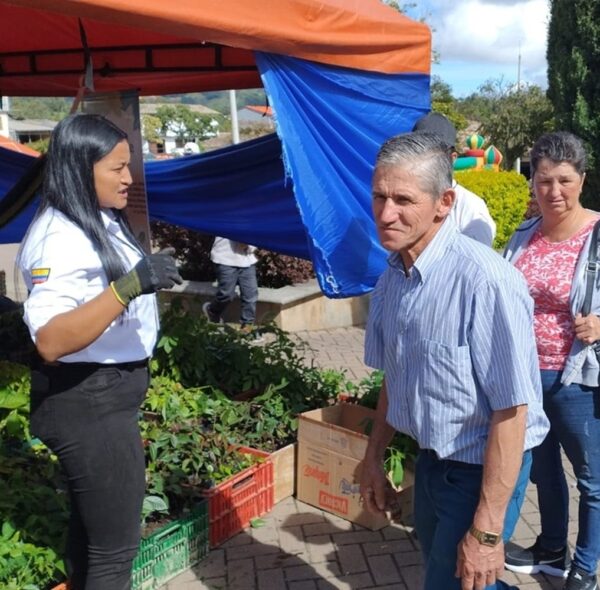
(92, 315)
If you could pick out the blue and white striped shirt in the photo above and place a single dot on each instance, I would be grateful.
(455, 339)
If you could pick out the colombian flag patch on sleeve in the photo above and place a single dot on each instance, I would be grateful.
(39, 275)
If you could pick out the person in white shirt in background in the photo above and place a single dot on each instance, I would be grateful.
(235, 265)
(470, 213)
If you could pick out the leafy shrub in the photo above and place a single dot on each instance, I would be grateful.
(506, 195)
(182, 459)
(193, 251)
(267, 421)
(196, 353)
(191, 434)
(24, 566)
(278, 270)
(34, 517)
(190, 425)
(14, 402)
(28, 496)
(212, 389)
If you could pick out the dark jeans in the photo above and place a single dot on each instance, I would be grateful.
(446, 496)
(574, 414)
(227, 278)
(87, 415)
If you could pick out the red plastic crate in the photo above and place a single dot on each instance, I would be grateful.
(233, 503)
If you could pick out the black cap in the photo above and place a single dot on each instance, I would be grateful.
(439, 125)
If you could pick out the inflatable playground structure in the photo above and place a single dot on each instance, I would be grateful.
(476, 157)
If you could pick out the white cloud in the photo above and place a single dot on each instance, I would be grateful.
(488, 34)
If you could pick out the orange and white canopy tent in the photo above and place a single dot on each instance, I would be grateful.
(162, 47)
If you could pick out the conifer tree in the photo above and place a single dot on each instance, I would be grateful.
(573, 83)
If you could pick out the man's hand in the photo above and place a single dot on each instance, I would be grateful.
(587, 329)
(373, 486)
(478, 565)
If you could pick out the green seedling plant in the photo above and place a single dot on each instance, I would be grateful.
(15, 382)
(211, 392)
(153, 505)
(25, 566)
(402, 448)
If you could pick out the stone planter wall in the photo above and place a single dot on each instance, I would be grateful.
(294, 308)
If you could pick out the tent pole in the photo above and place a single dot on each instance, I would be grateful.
(235, 131)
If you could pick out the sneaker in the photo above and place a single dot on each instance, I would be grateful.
(257, 338)
(251, 332)
(580, 580)
(536, 559)
(211, 316)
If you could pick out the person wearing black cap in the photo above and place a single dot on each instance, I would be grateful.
(470, 213)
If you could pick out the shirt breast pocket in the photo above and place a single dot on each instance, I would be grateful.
(448, 391)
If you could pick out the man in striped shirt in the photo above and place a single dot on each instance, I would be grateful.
(451, 325)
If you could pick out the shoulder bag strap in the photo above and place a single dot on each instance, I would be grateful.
(590, 270)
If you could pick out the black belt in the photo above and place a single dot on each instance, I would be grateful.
(128, 366)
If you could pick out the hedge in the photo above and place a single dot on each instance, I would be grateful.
(273, 270)
(506, 195)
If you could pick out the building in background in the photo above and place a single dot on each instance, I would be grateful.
(256, 115)
(173, 142)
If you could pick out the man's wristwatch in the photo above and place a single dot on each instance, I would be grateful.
(486, 537)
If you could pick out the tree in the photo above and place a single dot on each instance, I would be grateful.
(184, 123)
(151, 127)
(512, 118)
(479, 105)
(444, 103)
(573, 84)
(41, 145)
(400, 6)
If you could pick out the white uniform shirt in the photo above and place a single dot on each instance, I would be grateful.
(62, 271)
(471, 215)
(230, 253)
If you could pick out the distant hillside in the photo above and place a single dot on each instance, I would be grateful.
(216, 100)
(57, 108)
(54, 108)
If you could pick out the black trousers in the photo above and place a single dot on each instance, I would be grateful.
(87, 414)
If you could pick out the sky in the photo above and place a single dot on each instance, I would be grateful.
(479, 40)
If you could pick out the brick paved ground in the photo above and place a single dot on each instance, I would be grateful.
(303, 548)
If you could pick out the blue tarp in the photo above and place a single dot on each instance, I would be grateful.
(12, 166)
(331, 122)
(239, 192)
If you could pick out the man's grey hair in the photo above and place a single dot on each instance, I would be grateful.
(559, 147)
(424, 155)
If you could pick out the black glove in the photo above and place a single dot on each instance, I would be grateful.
(150, 274)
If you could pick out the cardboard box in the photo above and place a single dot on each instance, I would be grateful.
(284, 472)
(331, 446)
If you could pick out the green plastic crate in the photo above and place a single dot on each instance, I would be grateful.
(171, 550)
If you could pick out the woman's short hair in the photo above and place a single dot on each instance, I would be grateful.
(424, 154)
(558, 147)
(77, 143)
